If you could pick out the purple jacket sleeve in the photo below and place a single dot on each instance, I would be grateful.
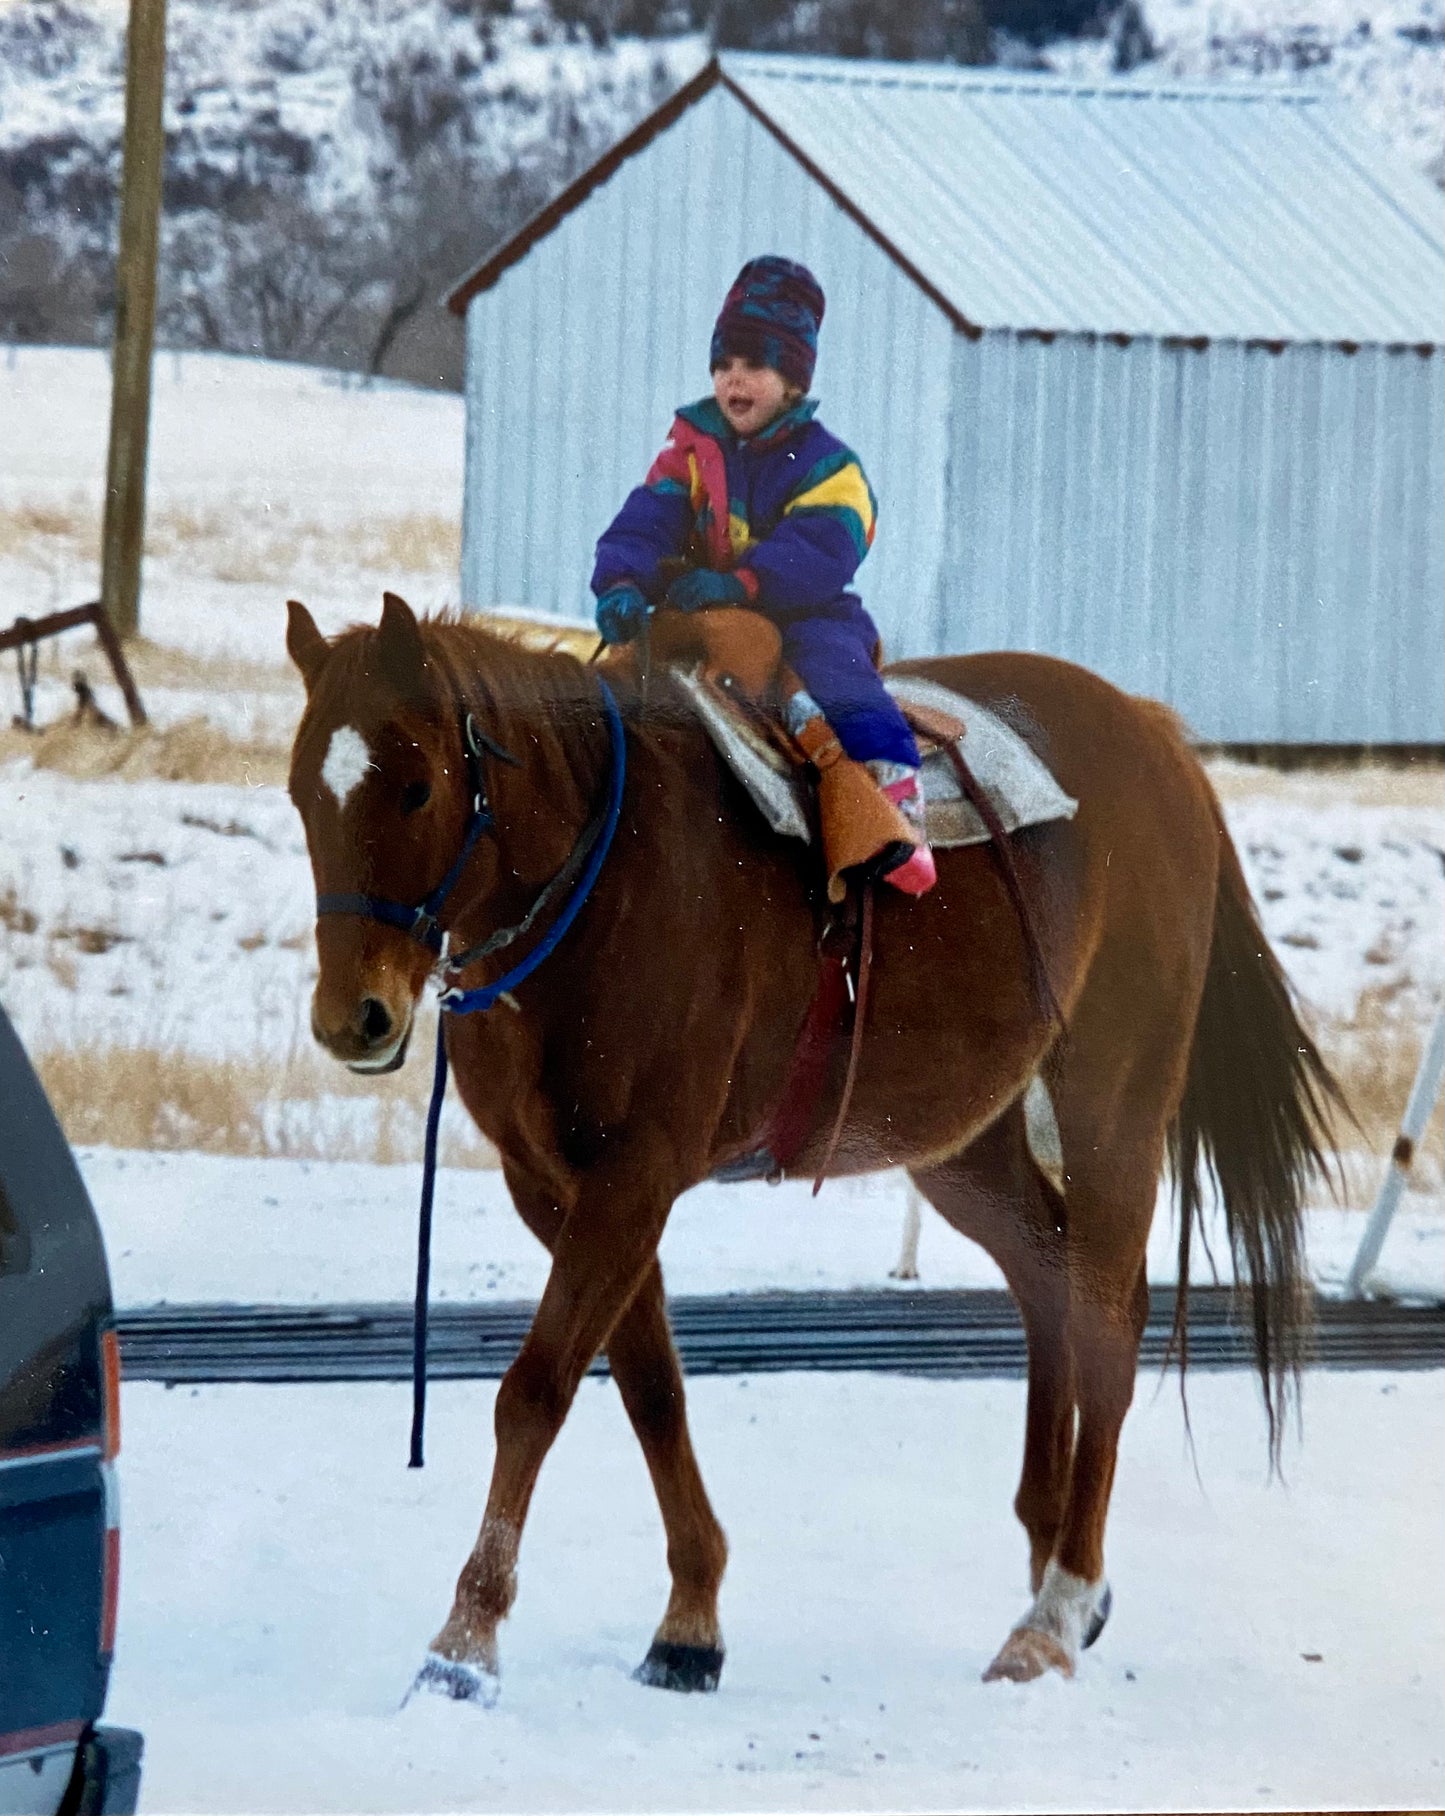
(652, 525)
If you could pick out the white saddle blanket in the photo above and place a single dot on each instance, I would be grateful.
(1021, 789)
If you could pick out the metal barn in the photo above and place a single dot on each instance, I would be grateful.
(1150, 378)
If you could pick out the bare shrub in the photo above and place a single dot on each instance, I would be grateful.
(15, 917)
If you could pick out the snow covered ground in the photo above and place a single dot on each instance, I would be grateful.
(183, 1227)
(1271, 1647)
(264, 480)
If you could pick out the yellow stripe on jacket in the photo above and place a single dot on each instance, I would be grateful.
(846, 494)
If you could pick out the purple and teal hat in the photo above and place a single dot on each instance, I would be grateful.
(772, 314)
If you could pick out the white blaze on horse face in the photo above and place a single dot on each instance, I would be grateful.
(347, 761)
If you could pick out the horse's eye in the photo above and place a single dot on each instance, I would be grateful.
(415, 795)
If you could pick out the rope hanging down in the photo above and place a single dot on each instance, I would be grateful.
(596, 839)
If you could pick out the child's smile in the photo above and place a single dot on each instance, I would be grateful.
(750, 395)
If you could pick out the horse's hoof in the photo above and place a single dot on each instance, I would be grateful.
(1100, 1617)
(457, 1679)
(1027, 1654)
(670, 1667)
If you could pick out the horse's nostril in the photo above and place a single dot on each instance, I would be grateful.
(375, 1021)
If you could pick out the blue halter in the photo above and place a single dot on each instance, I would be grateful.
(581, 870)
(420, 919)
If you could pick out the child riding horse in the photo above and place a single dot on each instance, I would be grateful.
(651, 1045)
(761, 507)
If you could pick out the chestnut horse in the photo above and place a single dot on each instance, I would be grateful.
(651, 1045)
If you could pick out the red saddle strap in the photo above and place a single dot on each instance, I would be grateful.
(855, 1045)
(791, 1121)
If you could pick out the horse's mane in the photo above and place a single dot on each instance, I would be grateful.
(474, 663)
(543, 705)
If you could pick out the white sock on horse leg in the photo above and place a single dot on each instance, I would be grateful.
(1064, 1607)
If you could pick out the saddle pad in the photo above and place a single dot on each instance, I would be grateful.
(1021, 789)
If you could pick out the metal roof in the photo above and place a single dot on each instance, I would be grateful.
(1026, 203)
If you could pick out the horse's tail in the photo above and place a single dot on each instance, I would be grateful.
(1257, 1108)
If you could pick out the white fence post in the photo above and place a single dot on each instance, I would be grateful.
(1417, 1114)
(907, 1268)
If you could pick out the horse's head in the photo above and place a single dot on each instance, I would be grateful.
(381, 781)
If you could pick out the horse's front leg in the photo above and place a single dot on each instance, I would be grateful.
(687, 1649)
(602, 1253)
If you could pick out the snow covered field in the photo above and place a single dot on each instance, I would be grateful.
(263, 479)
(184, 1227)
(1271, 1647)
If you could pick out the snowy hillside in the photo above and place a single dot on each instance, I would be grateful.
(329, 168)
(1386, 56)
(310, 87)
(332, 167)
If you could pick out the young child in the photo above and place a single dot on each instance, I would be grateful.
(771, 512)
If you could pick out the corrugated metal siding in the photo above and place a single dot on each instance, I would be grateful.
(578, 356)
(1030, 203)
(1256, 538)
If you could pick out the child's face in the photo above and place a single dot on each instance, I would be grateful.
(750, 395)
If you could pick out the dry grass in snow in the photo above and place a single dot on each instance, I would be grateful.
(301, 1106)
(194, 750)
(1375, 1057)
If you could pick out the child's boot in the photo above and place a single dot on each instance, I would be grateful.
(903, 786)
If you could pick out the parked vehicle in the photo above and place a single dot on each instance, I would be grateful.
(59, 1508)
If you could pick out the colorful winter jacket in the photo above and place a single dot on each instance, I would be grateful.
(788, 510)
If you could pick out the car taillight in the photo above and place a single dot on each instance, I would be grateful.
(110, 1588)
(110, 1359)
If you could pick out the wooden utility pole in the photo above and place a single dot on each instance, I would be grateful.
(135, 315)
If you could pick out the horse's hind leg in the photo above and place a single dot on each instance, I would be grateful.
(994, 1193)
(1108, 1305)
(687, 1651)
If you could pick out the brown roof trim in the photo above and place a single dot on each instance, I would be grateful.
(853, 211)
(483, 276)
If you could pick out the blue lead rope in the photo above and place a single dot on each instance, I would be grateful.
(456, 1001)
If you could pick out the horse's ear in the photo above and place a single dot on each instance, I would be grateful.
(304, 643)
(402, 652)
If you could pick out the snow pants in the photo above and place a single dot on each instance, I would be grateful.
(832, 650)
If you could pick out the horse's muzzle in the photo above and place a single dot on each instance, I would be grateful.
(371, 1037)
(387, 1062)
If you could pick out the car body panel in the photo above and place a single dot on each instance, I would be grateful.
(58, 1498)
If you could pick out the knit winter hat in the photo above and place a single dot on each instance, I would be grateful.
(772, 314)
